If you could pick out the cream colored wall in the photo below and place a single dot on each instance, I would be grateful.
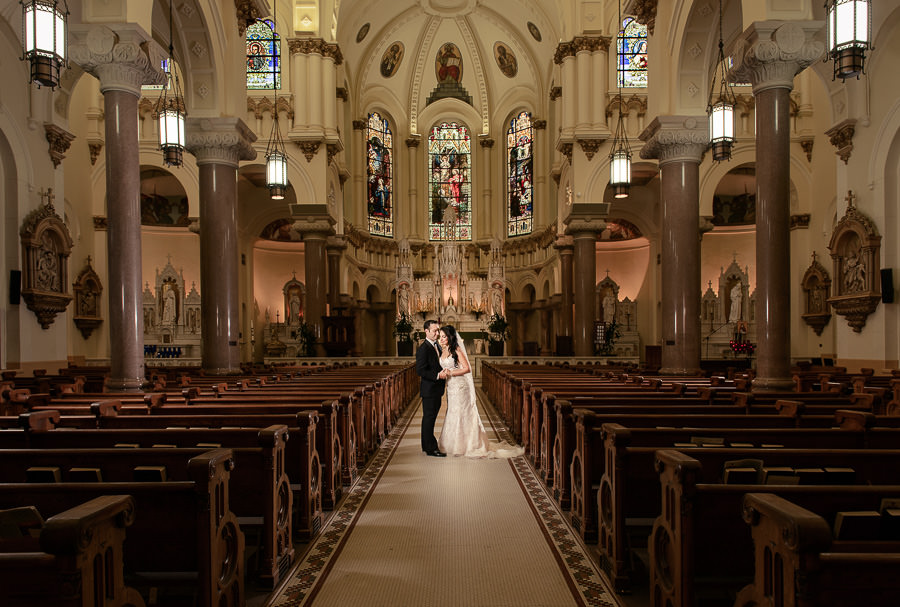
(628, 264)
(158, 243)
(274, 263)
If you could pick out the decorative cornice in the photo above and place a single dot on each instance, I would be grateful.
(59, 140)
(644, 12)
(590, 147)
(555, 93)
(675, 139)
(219, 140)
(247, 13)
(579, 44)
(539, 124)
(342, 93)
(841, 137)
(563, 50)
(486, 143)
(308, 46)
(100, 223)
(359, 125)
(413, 142)
(566, 150)
(124, 59)
(260, 105)
(770, 53)
(95, 149)
(309, 148)
(332, 150)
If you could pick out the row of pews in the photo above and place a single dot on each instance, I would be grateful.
(706, 494)
(186, 494)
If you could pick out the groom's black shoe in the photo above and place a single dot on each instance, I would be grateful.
(437, 453)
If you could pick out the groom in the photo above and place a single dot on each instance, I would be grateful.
(428, 367)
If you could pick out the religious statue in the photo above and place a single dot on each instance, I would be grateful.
(609, 307)
(294, 308)
(854, 274)
(168, 315)
(403, 303)
(497, 301)
(734, 315)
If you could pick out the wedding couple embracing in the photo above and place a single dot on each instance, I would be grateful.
(443, 365)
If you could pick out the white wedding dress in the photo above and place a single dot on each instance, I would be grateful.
(462, 432)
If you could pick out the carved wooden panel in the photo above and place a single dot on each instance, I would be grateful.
(46, 245)
(855, 246)
(87, 289)
(816, 286)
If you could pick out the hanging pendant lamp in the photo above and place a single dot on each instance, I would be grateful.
(170, 110)
(848, 30)
(44, 39)
(720, 107)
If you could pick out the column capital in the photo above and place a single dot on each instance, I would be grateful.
(122, 59)
(225, 140)
(335, 245)
(312, 221)
(675, 139)
(586, 219)
(770, 53)
(564, 245)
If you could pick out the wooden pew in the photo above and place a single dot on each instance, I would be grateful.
(701, 521)
(301, 458)
(35, 572)
(628, 498)
(260, 489)
(797, 563)
(179, 526)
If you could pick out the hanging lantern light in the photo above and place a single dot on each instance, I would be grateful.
(720, 107)
(620, 157)
(170, 110)
(44, 39)
(276, 157)
(848, 28)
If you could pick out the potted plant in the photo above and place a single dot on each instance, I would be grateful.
(610, 335)
(306, 334)
(499, 333)
(402, 328)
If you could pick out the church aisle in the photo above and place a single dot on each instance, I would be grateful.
(426, 531)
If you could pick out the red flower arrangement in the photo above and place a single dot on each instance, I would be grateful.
(742, 347)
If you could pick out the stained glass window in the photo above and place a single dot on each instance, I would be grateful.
(380, 175)
(520, 174)
(263, 56)
(450, 183)
(631, 51)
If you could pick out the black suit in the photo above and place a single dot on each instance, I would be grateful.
(428, 365)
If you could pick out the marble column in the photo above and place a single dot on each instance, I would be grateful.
(768, 55)
(219, 144)
(314, 226)
(335, 247)
(122, 60)
(584, 227)
(678, 142)
(566, 247)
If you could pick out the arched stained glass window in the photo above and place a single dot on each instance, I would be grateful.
(520, 174)
(263, 56)
(450, 183)
(380, 175)
(631, 52)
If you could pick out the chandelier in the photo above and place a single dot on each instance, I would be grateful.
(276, 158)
(620, 157)
(848, 26)
(720, 107)
(170, 110)
(44, 39)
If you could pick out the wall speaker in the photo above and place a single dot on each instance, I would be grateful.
(15, 287)
(887, 285)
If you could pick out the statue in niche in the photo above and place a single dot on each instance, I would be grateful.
(168, 312)
(47, 271)
(295, 308)
(854, 274)
(736, 296)
(403, 300)
(609, 307)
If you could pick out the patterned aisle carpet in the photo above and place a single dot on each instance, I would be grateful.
(418, 530)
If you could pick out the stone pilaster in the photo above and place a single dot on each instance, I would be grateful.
(584, 224)
(219, 144)
(315, 226)
(678, 143)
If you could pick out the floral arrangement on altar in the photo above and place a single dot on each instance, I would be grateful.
(742, 347)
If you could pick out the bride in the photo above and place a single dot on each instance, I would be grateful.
(463, 433)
